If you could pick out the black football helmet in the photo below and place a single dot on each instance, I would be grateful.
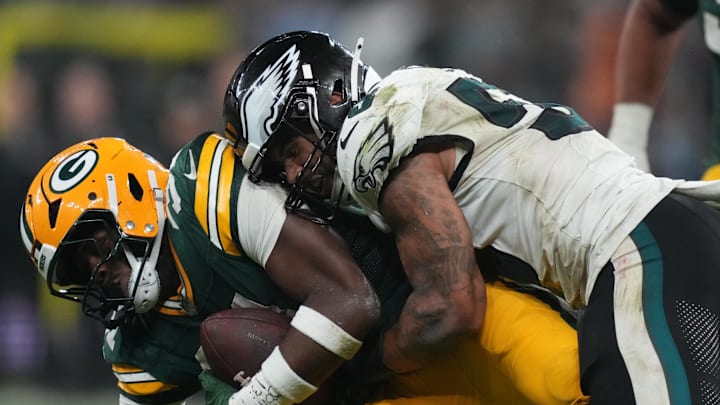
(286, 86)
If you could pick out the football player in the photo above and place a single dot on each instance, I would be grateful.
(648, 44)
(450, 308)
(150, 253)
(95, 223)
(450, 164)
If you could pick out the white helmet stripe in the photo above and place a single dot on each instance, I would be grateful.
(159, 197)
(314, 120)
(112, 193)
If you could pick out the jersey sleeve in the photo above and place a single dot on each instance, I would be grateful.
(140, 387)
(379, 132)
(260, 217)
(160, 368)
(387, 125)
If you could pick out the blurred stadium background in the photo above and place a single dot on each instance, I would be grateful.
(154, 72)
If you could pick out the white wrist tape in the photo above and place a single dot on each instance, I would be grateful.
(325, 332)
(258, 391)
(629, 130)
(284, 379)
(631, 124)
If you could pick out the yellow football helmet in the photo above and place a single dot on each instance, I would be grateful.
(106, 185)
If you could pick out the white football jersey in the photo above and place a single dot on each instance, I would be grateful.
(533, 180)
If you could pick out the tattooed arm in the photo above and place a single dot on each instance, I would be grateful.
(435, 245)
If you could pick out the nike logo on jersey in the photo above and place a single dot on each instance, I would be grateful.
(373, 157)
(192, 175)
(344, 141)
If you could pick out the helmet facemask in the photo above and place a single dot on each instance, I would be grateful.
(302, 199)
(301, 119)
(106, 302)
(96, 233)
(288, 87)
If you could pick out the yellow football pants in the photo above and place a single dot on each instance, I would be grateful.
(526, 354)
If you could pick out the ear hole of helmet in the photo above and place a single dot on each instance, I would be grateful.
(339, 95)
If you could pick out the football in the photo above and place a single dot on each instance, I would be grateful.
(236, 340)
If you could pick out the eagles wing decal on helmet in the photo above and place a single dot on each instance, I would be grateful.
(373, 156)
(264, 96)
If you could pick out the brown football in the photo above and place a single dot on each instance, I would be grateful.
(240, 339)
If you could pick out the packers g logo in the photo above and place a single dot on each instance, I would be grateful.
(73, 170)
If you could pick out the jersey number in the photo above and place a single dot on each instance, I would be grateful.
(505, 110)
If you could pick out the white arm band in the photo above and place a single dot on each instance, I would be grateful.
(325, 332)
(275, 384)
(629, 130)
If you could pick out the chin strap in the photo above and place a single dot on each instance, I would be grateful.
(147, 290)
(144, 283)
(354, 71)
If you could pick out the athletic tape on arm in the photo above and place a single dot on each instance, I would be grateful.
(275, 384)
(630, 128)
(284, 379)
(325, 332)
(259, 391)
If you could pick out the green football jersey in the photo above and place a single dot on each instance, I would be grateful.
(153, 360)
(205, 180)
(155, 363)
